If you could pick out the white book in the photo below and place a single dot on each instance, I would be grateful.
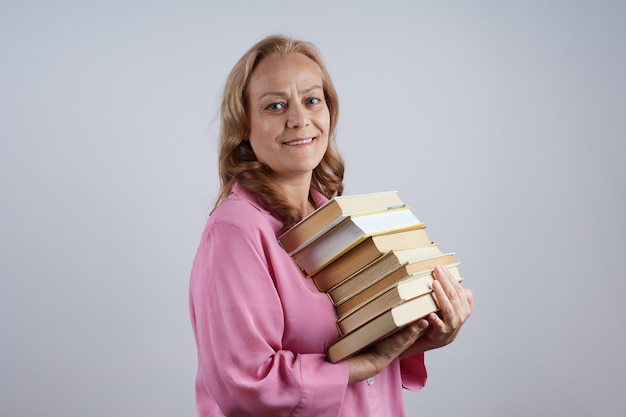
(347, 234)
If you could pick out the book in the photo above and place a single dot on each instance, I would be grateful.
(374, 259)
(367, 251)
(332, 212)
(347, 234)
(365, 294)
(408, 288)
(380, 327)
(403, 262)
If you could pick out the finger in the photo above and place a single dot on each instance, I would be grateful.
(436, 322)
(414, 330)
(470, 298)
(400, 341)
(455, 292)
(454, 312)
(444, 303)
(451, 286)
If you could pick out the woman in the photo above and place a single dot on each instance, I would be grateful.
(262, 329)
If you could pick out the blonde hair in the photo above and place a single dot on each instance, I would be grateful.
(237, 161)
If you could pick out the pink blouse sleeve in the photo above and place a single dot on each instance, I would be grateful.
(239, 324)
(413, 372)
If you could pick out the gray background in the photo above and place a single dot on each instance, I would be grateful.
(502, 123)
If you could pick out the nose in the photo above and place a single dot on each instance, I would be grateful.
(297, 116)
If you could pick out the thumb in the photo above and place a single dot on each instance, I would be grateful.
(411, 333)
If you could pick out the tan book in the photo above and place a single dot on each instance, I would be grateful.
(333, 212)
(354, 298)
(366, 252)
(388, 270)
(408, 288)
(382, 326)
(350, 232)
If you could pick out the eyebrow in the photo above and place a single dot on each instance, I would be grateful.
(283, 94)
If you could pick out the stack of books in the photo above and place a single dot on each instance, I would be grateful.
(373, 258)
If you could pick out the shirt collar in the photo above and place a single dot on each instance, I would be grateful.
(238, 191)
(318, 198)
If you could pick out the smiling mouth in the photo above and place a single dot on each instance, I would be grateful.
(299, 142)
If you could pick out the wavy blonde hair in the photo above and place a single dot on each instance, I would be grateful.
(237, 161)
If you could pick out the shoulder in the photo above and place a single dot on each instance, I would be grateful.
(240, 211)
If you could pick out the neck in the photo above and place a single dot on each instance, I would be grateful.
(298, 196)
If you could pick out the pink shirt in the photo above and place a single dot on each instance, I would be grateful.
(262, 329)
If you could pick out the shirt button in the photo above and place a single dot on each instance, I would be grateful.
(370, 381)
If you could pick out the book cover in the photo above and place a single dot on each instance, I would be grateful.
(410, 287)
(380, 327)
(348, 234)
(420, 259)
(332, 213)
(366, 252)
(366, 294)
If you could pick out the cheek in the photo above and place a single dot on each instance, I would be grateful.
(262, 133)
(324, 121)
(261, 129)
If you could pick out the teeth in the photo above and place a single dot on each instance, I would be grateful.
(299, 142)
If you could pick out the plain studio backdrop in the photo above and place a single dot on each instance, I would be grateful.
(502, 123)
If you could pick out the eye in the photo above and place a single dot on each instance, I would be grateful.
(314, 100)
(276, 106)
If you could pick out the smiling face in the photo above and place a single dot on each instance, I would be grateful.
(289, 117)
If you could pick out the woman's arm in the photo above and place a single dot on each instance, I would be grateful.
(239, 324)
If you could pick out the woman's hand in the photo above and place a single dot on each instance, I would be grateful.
(372, 361)
(455, 307)
(455, 304)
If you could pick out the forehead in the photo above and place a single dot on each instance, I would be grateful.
(281, 72)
